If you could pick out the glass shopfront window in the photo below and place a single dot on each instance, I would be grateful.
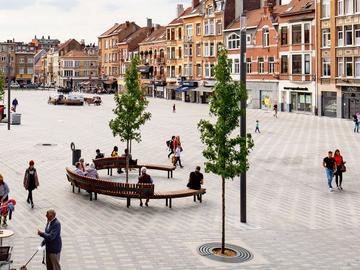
(265, 99)
(351, 101)
(329, 103)
(301, 102)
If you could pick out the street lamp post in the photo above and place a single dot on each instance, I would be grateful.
(9, 83)
(243, 117)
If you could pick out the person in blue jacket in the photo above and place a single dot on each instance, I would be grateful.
(52, 241)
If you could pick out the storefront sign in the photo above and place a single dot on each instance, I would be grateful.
(190, 83)
(209, 83)
(159, 83)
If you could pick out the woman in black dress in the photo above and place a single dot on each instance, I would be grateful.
(31, 182)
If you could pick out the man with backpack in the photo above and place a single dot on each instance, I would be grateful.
(170, 145)
(356, 122)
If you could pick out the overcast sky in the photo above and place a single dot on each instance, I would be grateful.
(80, 19)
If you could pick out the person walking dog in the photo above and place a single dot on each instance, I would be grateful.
(31, 182)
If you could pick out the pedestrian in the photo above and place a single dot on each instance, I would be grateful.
(174, 108)
(4, 192)
(14, 104)
(340, 168)
(52, 241)
(196, 179)
(275, 110)
(31, 182)
(170, 145)
(82, 164)
(356, 122)
(177, 155)
(330, 167)
(144, 178)
(176, 143)
(115, 153)
(99, 154)
(257, 129)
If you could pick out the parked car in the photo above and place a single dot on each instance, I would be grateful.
(96, 100)
(72, 99)
(30, 86)
(57, 99)
(14, 85)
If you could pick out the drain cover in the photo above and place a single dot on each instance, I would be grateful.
(242, 254)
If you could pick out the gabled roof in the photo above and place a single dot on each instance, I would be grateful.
(158, 35)
(117, 28)
(178, 20)
(299, 7)
(67, 43)
(78, 54)
(135, 38)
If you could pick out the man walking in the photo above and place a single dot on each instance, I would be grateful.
(52, 241)
(356, 122)
(330, 167)
(275, 110)
(257, 128)
(171, 146)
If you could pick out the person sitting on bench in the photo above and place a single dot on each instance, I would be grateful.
(144, 178)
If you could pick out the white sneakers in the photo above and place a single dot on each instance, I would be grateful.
(331, 190)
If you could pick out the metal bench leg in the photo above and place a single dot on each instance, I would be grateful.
(166, 202)
(73, 188)
(170, 203)
(200, 198)
(95, 196)
(194, 198)
(90, 196)
(171, 174)
(110, 172)
(128, 202)
(168, 174)
(139, 171)
(78, 190)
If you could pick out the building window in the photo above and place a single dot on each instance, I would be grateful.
(248, 39)
(348, 35)
(248, 65)
(233, 42)
(307, 63)
(212, 50)
(307, 32)
(237, 66)
(207, 69)
(325, 9)
(21, 70)
(219, 28)
(261, 68)
(326, 67)
(340, 38)
(296, 34)
(189, 30)
(206, 49)
(30, 70)
(179, 52)
(271, 65)
(284, 64)
(357, 35)
(340, 67)
(30, 60)
(326, 42)
(198, 49)
(349, 7)
(357, 6)
(284, 35)
(340, 7)
(357, 67)
(349, 66)
(198, 29)
(211, 27)
(198, 70)
(22, 60)
(296, 64)
(206, 28)
(265, 37)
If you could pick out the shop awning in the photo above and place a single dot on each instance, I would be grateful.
(204, 89)
(145, 69)
(183, 89)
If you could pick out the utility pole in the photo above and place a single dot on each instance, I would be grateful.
(9, 83)
(243, 117)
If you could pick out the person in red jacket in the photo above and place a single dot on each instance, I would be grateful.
(144, 178)
(340, 165)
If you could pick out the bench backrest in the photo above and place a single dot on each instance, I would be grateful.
(103, 186)
(109, 162)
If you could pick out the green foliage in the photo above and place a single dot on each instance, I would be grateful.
(130, 107)
(226, 153)
(2, 86)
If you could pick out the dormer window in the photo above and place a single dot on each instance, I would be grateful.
(210, 10)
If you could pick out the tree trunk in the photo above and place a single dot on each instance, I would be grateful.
(130, 146)
(127, 162)
(223, 217)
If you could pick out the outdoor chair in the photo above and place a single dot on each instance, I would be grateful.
(5, 256)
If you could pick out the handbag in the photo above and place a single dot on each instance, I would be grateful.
(343, 168)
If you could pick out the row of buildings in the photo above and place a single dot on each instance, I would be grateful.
(301, 54)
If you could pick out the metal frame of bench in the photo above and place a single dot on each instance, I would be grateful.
(128, 191)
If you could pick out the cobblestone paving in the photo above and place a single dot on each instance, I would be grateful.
(293, 221)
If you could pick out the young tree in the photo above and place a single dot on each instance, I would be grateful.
(2, 86)
(226, 152)
(130, 112)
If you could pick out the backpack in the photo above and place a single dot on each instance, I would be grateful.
(168, 143)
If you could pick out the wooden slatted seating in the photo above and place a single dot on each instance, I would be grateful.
(126, 190)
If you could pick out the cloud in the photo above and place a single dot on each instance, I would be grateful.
(80, 19)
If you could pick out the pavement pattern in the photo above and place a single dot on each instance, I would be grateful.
(293, 221)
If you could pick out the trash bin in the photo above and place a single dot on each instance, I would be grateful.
(16, 118)
(76, 153)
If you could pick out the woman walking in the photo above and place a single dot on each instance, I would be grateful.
(31, 181)
(340, 168)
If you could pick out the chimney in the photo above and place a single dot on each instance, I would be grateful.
(127, 23)
(179, 9)
(157, 26)
(149, 22)
(48, 37)
(195, 3)
(42, 37)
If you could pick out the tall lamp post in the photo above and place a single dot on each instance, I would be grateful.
(9, 83)
(243, 117)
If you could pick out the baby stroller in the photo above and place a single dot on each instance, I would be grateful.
(7, 208)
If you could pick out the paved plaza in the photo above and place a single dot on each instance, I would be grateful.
(293, 221)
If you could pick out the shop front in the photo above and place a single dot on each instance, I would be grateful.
(159, 88)
(266, 101)
(301, 102)
(297, 97)
(187, 88)
(351, 101)
(262, 94)
(170, 91)
(328, 104)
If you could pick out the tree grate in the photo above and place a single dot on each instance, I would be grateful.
(242, 254)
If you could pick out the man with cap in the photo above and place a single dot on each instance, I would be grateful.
(144, 178)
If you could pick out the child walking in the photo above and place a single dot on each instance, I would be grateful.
(257, 127)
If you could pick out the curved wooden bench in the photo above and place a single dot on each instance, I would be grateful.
(120, 163)
(126, 190)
